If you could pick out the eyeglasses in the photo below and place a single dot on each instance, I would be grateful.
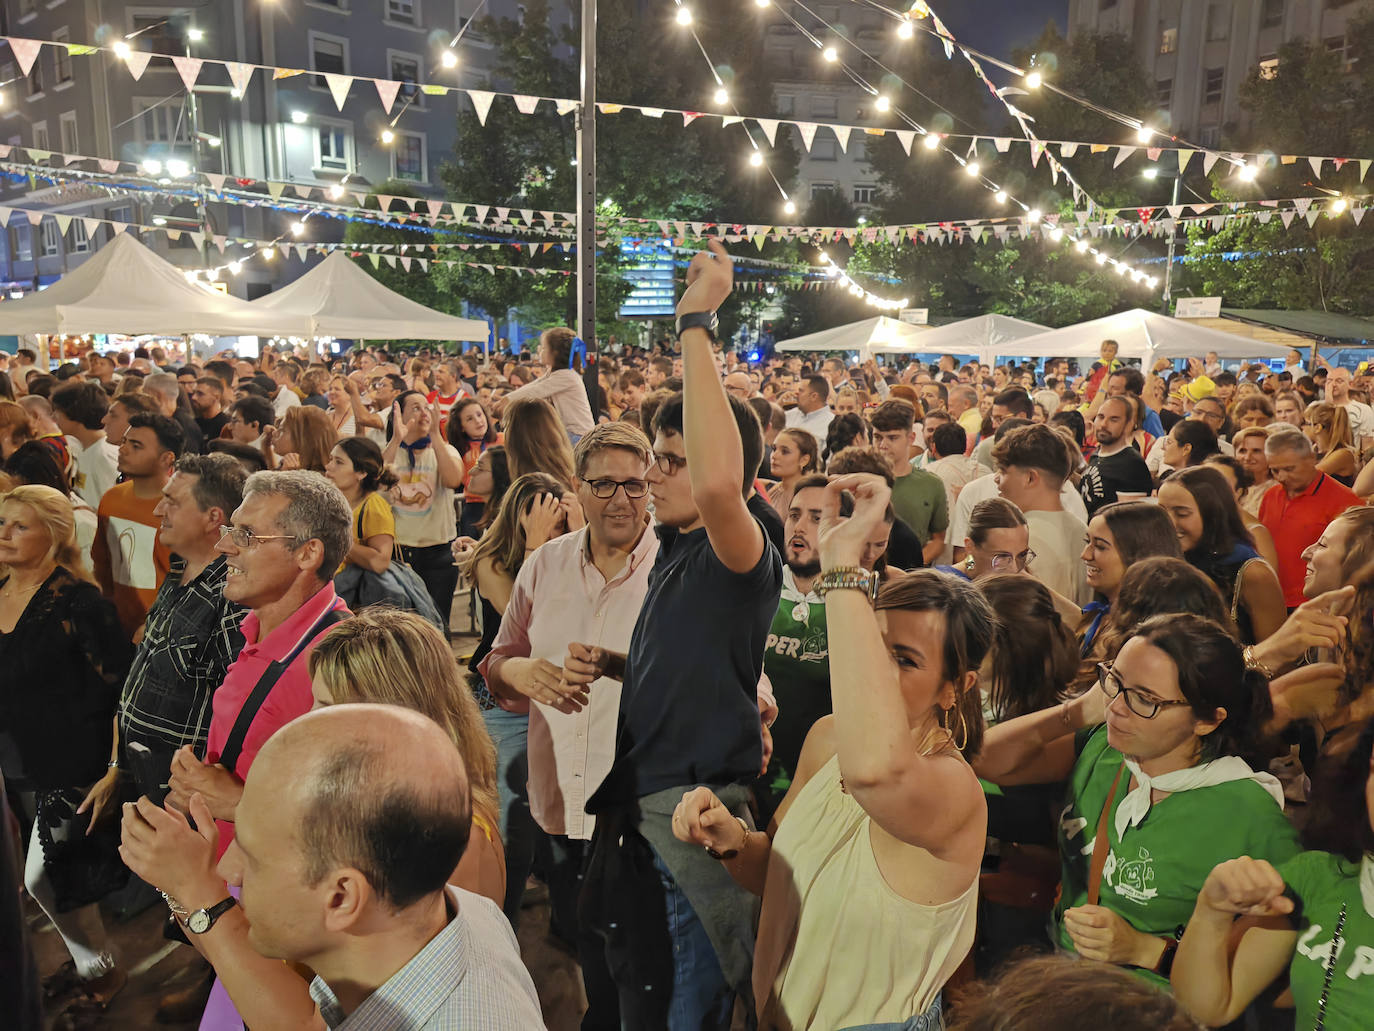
(605, 489)
(242, 538)
(1003, 559)
(669, 464)
(1145, 708)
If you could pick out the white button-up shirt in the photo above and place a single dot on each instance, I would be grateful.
(560, 597)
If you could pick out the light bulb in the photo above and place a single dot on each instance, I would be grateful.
(1338, 205)
(152, 166)
(932, 140)
(825, 258)
(830, 54)
(235, 267)
(1101, 258)
(1121, 269)
(790, 207)
(448, 59)
(1033, 80)
(883, 103)
(195, 35)
(213, 141)
(756, 159)
(1152, 282)
(297, 228)
(267, 253)
(1056, 234)
(1034, 215)
(722, 96)
(299, 117)
(684, 16)
(388, 136)
(177, 168)
(1081, 246)
(335, 191)
(905, 30)
(1000, 196)
(1248, 172)
(1144, 134)
(122, 50)
(1151, 173)
(212, 274)
(974, 169)
(760, 3)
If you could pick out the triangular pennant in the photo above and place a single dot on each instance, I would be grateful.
(842, 134)
(216, 181)
(376, 260)
(1357, 214)
(287, 73)
(526, 105)
(119, 227)
(1184, 156)
(731, 120)
(137, 63)
(1037, 148)
(35, 217)
(1122, 153)
(387, 90)
(300, 251)
(770, 129)
(808, 132)
(1316, 164)
(1312, 217)
(907, 137)
(481, 210)
(481, 101)
(220, 242)
(1364, 167)
(565, 106)
(1287, 217)
(1301, 204)
(338, 88)
(188, 68)
(434, 207)
(25, 51)
(652, 112)
(108, 164)
(64, 222)
(528, 215)
(1209, 158)
(240, 74)
(1068, 150)
(92, 226)
(275, 189)
(405, 263)
(1002, 143)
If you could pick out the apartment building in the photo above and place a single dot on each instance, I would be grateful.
(1200, 51)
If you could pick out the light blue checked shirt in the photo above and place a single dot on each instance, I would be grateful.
(468, 978)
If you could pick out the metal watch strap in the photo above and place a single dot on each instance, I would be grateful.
(698, 320)
(852, 578)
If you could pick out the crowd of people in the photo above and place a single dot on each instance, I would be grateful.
(817, 694)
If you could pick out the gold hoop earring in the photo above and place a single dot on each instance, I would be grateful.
(947, 723)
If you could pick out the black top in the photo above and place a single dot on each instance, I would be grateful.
(904, 547)
(64, 662)
(318, 400)
(210, 427)
(195, 439)
(1108, 476)
(491, 626)
(1167, 418)
(762, 510)
(689, 708)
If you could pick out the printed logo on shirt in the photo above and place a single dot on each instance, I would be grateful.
(1362, 965)
(1132, 879)
(131, 553)
(808, 649)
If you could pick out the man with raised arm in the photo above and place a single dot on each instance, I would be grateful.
(678, 930)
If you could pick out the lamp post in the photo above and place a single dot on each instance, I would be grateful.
(1154, 173)
(586, 201)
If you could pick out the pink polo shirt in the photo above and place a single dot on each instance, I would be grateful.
(290, 696)
(560, 597)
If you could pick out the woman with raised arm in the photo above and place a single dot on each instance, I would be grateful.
(869, 871)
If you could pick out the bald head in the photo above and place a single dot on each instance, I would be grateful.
(374, 788)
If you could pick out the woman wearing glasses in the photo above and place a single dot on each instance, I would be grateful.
(998, 542)
(1158, 791)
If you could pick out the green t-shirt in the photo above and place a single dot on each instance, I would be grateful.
(1323, 883)
(796, 659)
(919, 500)
(1153, 877)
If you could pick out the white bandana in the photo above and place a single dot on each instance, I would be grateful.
(1136, 806)
(1367, 883)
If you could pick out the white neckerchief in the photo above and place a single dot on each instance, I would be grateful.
(801, 603)
(1136, 806)
(1367, 883)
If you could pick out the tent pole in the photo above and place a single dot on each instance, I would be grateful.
(586, 201)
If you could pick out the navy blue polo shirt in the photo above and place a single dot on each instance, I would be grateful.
(689, 707)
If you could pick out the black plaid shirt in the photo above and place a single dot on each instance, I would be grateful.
(190, 638)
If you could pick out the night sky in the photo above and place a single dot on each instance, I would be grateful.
(995, 26)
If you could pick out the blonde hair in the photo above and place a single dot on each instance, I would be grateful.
(313, 435)
(391, 657)
(1335, 420)
(503, 541)
(53, 510)
(537, 442)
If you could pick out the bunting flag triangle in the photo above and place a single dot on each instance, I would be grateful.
(274, 189)
(907, 137)
(651, 112)
(1301, 205)
(287, 73)
(1287, 217)
(842, 134)
(64, 222)
(526, 105)
(770, 129)
(376, 260)
(1209, 158)
(731, 120)
(434, 207)
(118, 227)
(481, 101)
(1316, 164)
(25, 51)
(197, 238)
(220, 242)
(216, 181)
(1357, 214)
(1364, 167)
(137, 63)
(808, 133)
(189, 69)
(1122, 153)
(240, 74)
(1184, 156)
(92, 226)
(300, 251)
(1312, 217)
(528, 215)
(564, 106)
(387, 90)
(1002, 143)
(35, 217)
(1037, 148)
(1068, 150)
(108, 164)
(481, 210)
(405, 263)
(338, 88)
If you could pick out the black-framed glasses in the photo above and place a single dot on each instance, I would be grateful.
(605, 489)
(1138, 703)
(669, 464)
(242, 538)
(1003, 559)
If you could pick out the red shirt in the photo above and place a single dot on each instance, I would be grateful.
(290, 696)
(1297, 522)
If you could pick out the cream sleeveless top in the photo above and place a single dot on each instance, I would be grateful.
(837, 947)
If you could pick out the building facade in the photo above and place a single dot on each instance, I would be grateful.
(1199, 52)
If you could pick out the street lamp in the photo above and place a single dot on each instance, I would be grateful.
(1153, 172)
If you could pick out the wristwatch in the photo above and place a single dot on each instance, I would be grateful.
(730, 853)
(698, 320)
(847, 578)
(203, 919)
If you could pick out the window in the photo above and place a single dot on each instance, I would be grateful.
(786, 104)
(825, 150)
(1164, 92)
(160, 33)
(408, 157)
(1339, 46)
(80, 239)
(327, 54)
(159, 121)
(402, 11)
(36, 76)
(1269, 66)
(40, 136)
(819, 190)
(21, 242)
(824, 107)
(1213, 81)
(1271, 14)
(66, 130)
(52, 238)
(28, 8)
(1218, 22)
(1168, 40)
(1210, 136)
(405, 69)
(334, 146)
(61, 57)
(865, 194)
(858, 148)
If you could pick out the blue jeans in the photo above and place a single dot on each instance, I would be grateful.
(701, 1001)
(510, 733)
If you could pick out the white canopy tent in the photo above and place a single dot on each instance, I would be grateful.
(1144, 335)
(986, 336)
(880, 335)
(338, 299)
(126, 288)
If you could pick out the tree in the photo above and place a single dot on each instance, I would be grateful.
(424, 289)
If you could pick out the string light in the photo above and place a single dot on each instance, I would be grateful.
(1337, 206)
(905, 29)
(1081, 245)
(388, 136)
(722, 96)
(267, 253)
(1101, 258)
(932, 141)
(1144, 134)
(790, 207)
(973, 169)
(236, 267)
(1033, 79)
(760, 3)
(1000, 196)
(1248, 172)
(152, 166)
(684, 16)
(122, 50)
(297, 228)
(830, 54)
(1034, 215)
(883, 103)
(857, 290)
(756, 159)
(448, 59)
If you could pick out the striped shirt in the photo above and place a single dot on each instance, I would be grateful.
(468, 978)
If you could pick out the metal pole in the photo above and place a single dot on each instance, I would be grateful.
(1173, 235)
(586, 200)
(204, 249)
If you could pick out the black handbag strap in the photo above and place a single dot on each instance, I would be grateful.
(233, 747)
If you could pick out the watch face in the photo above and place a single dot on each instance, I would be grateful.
(199, 922)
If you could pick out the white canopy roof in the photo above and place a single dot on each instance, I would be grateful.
(986, 336)
(1144, 335)
(880, 335)
(339, 299)
(126, 288)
